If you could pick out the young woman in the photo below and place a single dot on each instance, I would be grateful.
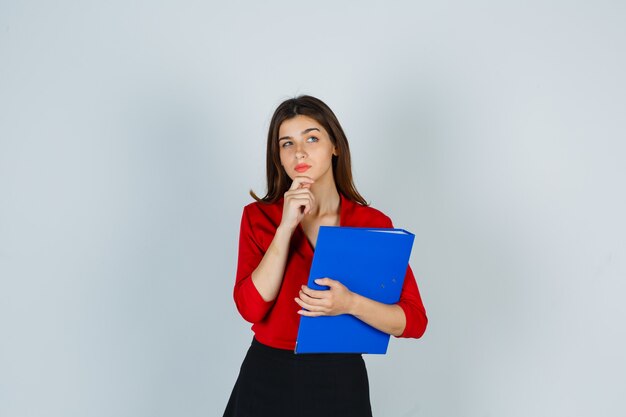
(309, 184)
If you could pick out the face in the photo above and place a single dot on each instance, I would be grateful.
(305, 148)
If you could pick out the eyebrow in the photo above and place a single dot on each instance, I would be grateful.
(304, 132)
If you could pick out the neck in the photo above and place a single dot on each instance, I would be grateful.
(327, 198)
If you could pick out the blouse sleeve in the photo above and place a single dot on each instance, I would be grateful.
(248, 300)
(411, 303)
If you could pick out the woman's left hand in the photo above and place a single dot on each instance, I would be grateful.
(332, 302)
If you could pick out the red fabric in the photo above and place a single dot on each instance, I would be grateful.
(275, 323)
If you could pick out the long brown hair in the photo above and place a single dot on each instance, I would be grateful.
(278, 182)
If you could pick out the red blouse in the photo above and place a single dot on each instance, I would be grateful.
(275, 323)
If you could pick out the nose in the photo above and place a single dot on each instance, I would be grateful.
(300, 153)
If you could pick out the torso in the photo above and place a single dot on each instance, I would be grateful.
(279, 326)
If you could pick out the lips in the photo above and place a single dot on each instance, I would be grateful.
(302, 167)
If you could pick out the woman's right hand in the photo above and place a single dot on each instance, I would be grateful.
(298, 201)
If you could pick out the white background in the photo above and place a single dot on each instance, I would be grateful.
(131, 132)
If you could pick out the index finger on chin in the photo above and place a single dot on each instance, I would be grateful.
(299, 181)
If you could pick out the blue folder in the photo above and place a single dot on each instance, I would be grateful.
(369, 261)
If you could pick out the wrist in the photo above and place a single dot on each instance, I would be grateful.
(354, 304)
(282, 229)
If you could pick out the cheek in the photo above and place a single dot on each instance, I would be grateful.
(283, 156)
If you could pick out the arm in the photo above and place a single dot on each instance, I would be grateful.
(268, 276)
(384, 317)
(413, 307)
(248, 300)
(407, 318)
(338, 299)
(259, 273)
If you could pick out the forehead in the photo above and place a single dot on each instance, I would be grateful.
(293, 127)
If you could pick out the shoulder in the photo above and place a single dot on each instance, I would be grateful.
(368, 216)
(259, 212)
(260, 220)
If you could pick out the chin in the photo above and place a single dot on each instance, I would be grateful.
(309, 174)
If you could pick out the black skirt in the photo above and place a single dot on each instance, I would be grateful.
(276, 382)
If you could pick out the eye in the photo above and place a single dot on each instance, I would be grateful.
(314, 139)
(285, 144)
